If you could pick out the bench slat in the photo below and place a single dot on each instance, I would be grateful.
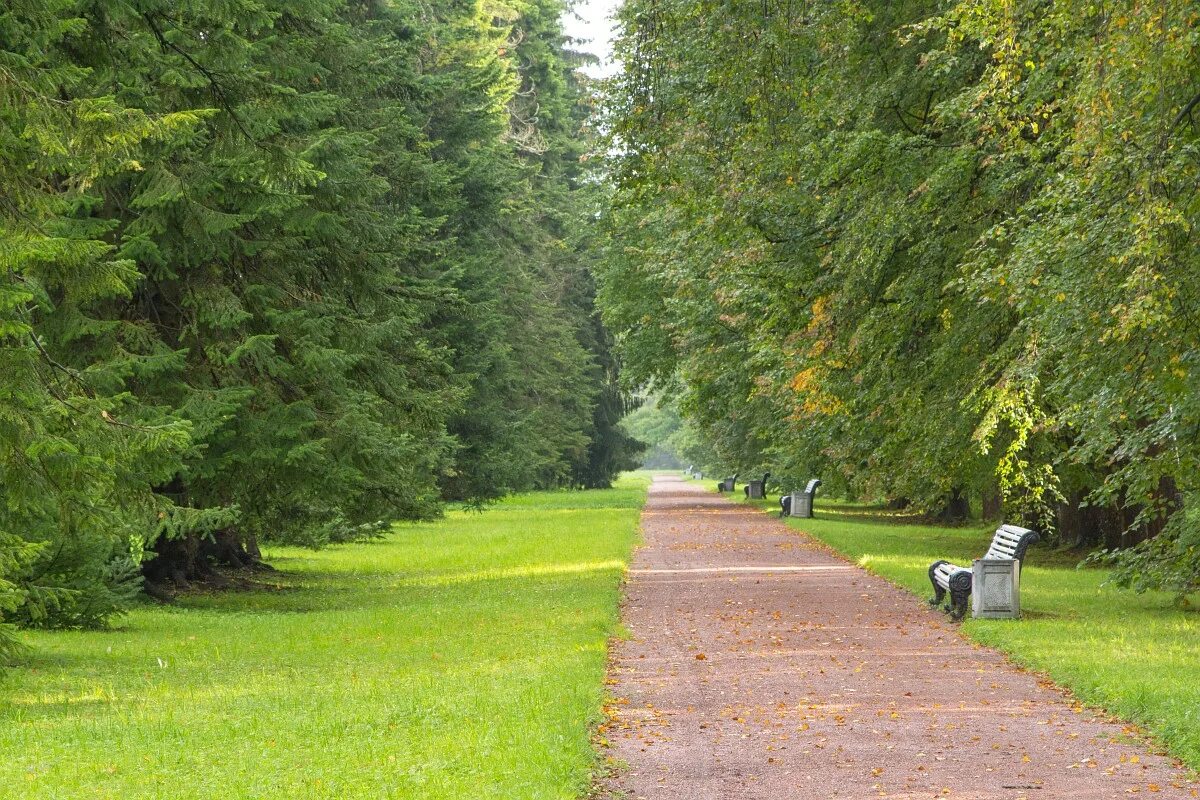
(943, 572)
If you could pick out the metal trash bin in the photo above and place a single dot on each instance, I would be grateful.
(802, 502)
(754, 490)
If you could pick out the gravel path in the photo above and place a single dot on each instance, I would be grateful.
(761, 666)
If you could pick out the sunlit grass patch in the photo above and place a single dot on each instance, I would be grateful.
(461, 658)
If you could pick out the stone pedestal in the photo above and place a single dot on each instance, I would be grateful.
(801, 505)
(996, 588)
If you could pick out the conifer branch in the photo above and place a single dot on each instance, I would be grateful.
(215, 86)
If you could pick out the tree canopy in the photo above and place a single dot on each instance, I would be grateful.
(928, 251)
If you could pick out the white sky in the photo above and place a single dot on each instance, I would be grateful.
(591, 20)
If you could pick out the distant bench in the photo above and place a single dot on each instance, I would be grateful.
(727, 484)
(757, 490)
(1009, 544)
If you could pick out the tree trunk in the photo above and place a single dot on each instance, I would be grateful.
(178, 563)
(957, 507)
(1168, 500)
(1092, 526)
(992, 503)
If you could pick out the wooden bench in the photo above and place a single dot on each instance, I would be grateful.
(1009, 543)
(757, 490)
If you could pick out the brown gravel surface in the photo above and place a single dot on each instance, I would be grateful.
(760, 665)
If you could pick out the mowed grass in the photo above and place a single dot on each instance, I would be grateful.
(1136, 656)
(462, 658)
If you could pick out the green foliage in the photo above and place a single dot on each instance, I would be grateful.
(1168, 562)
(655, 425)
(79, 455)
(78, 582)
(543, 396)
(282, 271)
(465, 655)
(673, 441)
(920, 249)
(611, 448)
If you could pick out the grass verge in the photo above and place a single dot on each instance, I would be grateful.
(462, 658)
(1135, 656)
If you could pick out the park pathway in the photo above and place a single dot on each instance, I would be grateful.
(761, 666)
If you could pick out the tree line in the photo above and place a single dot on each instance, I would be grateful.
(941, 254)
(283, 271)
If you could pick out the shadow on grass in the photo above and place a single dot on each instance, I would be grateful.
(875, 514)
(320, 592)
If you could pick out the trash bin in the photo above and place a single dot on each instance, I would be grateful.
(996, 588)
(802, 502)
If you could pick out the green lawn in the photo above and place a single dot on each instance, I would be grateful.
(1137, 656)
(462, 658)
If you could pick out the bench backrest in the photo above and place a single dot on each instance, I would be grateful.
(1010, 542)
(812, 486)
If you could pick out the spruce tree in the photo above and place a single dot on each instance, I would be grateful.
(79, 453)
(285, 271)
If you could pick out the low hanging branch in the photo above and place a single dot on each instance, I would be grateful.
(1185, 112)
(218, 91)
(88, 391)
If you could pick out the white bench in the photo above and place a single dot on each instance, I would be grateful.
(1009, 544)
